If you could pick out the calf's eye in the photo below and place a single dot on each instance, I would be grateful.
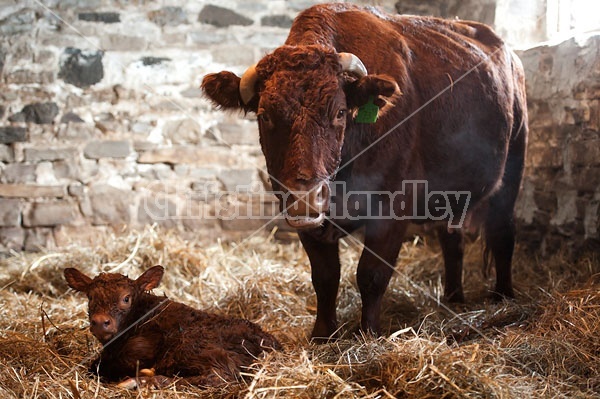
(341, 114)
(126, 299)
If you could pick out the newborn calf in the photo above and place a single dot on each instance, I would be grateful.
(144, 334)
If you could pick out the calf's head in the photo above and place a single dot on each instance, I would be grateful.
(111, 297)
(304, 98)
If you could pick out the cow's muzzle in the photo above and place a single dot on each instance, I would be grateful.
(305, 205)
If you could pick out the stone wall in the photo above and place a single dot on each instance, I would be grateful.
(102, 123)
(560, 199)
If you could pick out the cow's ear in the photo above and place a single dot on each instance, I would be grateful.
(77, 280)
(223, 89)
(381, 88)
(150, 278)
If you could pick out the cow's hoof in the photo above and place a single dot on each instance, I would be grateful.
(455, 297)
(499, 296)
(323, 340)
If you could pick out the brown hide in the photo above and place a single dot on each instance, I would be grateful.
(454, 115)
(175, 340)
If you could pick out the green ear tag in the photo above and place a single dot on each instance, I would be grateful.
(367, 113)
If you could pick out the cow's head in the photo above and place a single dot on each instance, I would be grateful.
(304, 97)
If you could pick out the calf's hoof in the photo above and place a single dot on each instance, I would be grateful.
(147, 378)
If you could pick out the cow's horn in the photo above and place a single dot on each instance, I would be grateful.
(351, 63)
(247, 84)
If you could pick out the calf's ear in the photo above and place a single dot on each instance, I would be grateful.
(77, 280)
(223, 89)
(381, 88)
(150, 278)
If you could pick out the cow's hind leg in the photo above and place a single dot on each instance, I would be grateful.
(499, 226)
(453, 249)
(325, 269)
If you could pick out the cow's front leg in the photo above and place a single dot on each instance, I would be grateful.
(325, 268)
(383, 240)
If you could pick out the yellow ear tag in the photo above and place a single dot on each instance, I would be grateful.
(367, 113)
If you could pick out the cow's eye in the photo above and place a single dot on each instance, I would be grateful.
(126, 299)
(341, 114)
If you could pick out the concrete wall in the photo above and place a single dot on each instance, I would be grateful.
(102, 124)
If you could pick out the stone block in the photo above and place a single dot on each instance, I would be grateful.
(157, 209)
(82, 235)
(168, 16)
(44, 173)
(38, 239)
(18, 22)
(11, 238)
(205, 37)
(110, 205)
(193, 172)
(233, 54)
(183, 131)
(106, 17)
(117, 42)
(49, 154)
(26, 76)
(51, 213)
(10, 212)
(198, 216)
(71, 117)
(6, 153)
(586, 153)
(238, 180)
(76, 190)
(278, 20)
(189, 155)
(143, 145)
(82, 68)
(12, 134)
(66, 169)
(587, 178)
(31, 191)
(149, 61)
(40, 113)
(77, 131)
(238, 132)
(222, 17)
(245, 216)
(544, 157)
(107, 149)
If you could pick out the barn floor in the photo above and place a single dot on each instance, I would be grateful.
(544, 344)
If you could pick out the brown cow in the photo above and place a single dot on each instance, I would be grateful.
(141, 331)
(449, 143)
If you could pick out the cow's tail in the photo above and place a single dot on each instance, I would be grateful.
(505, 198)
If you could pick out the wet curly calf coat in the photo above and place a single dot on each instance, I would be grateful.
(142, 331)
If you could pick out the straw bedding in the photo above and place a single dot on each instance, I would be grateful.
(544, 344)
